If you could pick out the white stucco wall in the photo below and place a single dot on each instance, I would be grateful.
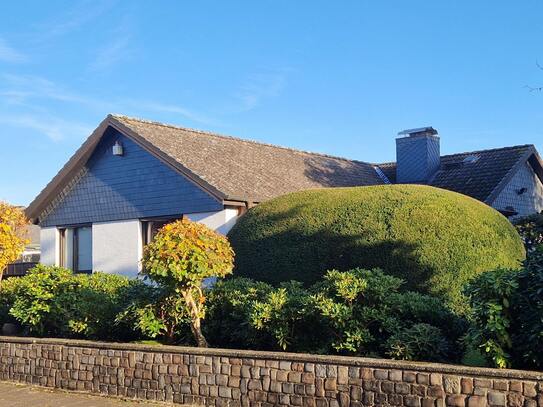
(221, 221)
(529, 202)
(116, 247)
(49, 241)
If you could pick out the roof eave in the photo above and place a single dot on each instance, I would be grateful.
(56, 184)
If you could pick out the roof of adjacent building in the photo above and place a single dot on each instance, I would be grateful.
(478, 174)
(237, 170)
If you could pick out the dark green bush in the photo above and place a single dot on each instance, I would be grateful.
(507, 320)
(52, 301)
(157, 313)
(435, 240)
(7, 296)
(419, 342)
(530, 229)
(228, 316)
(357, 312)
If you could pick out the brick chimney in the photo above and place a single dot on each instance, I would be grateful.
(417, 155)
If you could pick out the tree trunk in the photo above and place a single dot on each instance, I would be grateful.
(195, 323)
(197, 332)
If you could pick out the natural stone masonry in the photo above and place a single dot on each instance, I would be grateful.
(219, 377)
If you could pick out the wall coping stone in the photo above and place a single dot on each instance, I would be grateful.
(285, 356)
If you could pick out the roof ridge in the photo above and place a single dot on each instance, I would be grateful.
(470, 152)
(490, 149)
(244, 140)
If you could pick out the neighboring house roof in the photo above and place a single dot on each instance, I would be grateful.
(479, 174)
(229, 168)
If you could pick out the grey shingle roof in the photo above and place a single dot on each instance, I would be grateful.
(234, 169)
(248, 170)
(477, 179)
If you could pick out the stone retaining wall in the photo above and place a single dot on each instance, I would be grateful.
(219, 377)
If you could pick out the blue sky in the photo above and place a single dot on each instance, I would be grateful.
(340, 77)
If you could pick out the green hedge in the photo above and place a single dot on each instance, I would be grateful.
(435, 240)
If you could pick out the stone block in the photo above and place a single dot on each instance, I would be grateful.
(477, 401)
(402, 388)
(529, 389)
(409, 377)
(412, 401)
(395, 375)
(451, 384)
(387, 387)
(496, 399)
(456, 400)
(515, 399)
(423, 378)
(330, 384)
(482, 383)
(466, 385)
(428, 402)
(342, 375)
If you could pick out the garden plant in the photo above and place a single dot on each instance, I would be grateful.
(13, 237)
(434, 240)
(181, 256)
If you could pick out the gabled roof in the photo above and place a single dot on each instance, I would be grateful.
(229, 168)
(479, 174)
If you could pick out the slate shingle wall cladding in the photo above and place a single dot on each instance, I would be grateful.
(529, 202)
(132, 186)
(245, 378)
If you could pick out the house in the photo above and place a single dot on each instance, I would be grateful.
(132, 176)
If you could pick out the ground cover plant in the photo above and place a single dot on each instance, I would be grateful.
(434, 240)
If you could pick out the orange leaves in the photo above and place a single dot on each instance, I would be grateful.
(12, 234)
(184, 253)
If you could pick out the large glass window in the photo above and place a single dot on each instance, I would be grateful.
(76, 248)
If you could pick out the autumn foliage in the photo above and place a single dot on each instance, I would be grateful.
(12, 234)
(180, 257)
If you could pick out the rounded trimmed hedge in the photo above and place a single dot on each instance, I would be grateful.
(436, 240)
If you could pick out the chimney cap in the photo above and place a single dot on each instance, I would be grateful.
(420, 131)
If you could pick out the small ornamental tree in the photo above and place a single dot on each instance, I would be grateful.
(12, 234)
(180, 257)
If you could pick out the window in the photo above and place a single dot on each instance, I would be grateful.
(76, 248)
(150, 227)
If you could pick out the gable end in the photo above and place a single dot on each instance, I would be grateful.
(132, 186)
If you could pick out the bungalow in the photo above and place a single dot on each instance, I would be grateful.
(132, 176)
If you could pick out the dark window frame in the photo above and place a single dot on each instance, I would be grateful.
(148, 227)
(75, 247)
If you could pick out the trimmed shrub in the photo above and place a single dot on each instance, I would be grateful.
(435, 240)
(53, 301)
